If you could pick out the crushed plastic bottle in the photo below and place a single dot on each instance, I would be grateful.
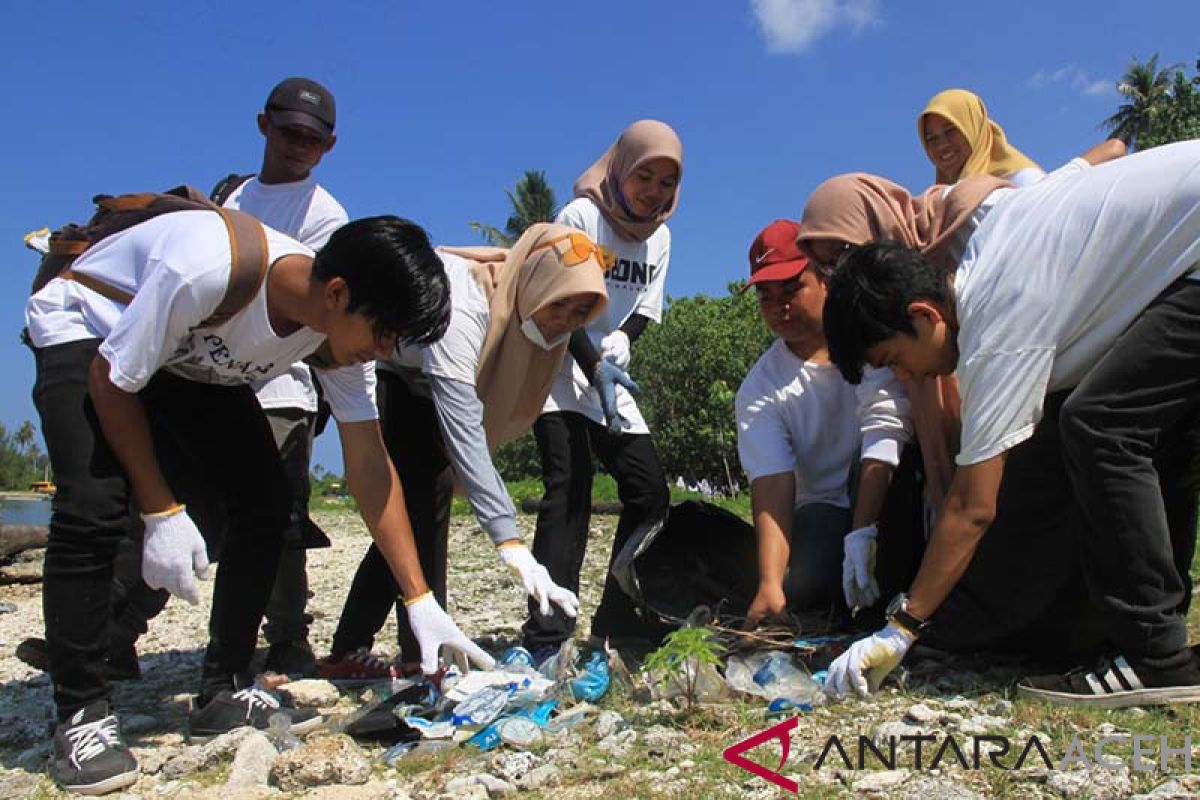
(517, 657)
(773, 675)
(279, 732)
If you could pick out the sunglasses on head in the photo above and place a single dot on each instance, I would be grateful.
(580, 249)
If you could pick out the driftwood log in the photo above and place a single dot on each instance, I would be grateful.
(18, 538)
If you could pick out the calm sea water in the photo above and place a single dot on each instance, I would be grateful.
(34, 511)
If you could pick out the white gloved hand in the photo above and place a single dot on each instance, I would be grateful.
(173, 554)
(615, 348)
(858, 568)
(434, 629)
(538, 583)
(868, 661)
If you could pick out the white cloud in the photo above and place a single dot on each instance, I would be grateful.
(1075, 78)
(790, 26)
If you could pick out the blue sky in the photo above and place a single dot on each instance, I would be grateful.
(441, 105)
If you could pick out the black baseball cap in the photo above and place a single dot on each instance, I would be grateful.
(299, 101)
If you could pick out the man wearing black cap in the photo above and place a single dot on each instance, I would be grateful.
(297, 123)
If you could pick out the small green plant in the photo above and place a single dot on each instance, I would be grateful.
(681, 660)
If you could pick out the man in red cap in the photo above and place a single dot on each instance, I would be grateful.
(801, 430)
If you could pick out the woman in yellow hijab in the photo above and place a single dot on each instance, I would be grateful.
(960, 140)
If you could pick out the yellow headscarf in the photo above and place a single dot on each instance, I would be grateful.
(991, 154)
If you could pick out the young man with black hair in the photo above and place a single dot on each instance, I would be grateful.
(1085, 283)
(142, 402)
(297, 123)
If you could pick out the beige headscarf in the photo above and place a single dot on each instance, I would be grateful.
(514, 375)
(991, 154)
(643, 141)
(858, 208)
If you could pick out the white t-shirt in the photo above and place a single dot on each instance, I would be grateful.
(1026, 176)
(800, 417)
(456, 354)
(177, 266)
(1055, 272)
(635, 286)
(309, 214)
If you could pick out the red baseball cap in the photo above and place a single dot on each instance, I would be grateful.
(774, 255)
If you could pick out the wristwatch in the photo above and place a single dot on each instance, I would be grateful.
(897, 612)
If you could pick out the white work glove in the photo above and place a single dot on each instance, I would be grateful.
(858, 568)
(173, 554)
(615, 348)
(538, 583)
(868, 661)
(434, 629)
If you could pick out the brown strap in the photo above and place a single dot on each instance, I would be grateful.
(248, 267)
(98, 286)
(248, 264)
(126, 202)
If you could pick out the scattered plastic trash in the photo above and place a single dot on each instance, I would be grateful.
(7, 608)
(517, 657)
(280, 734)
(396, 752)
(473, 682)
(520, 732)
(480, 708)
(569, 718)
(430, 730)
(781, 706)
(709, 687)
(593, 683)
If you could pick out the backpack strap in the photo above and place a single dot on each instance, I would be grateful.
(248, 265)
(227, 186)
(98, 286)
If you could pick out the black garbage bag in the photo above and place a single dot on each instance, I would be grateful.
(698, 555)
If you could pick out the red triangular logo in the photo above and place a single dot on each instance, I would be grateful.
(781, 732)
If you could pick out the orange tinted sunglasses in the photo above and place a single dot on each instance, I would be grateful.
(581, 249)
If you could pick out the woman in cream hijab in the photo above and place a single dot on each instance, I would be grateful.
(449, 404)
(961, 141)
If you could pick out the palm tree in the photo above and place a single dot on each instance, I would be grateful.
(1147, 90)
(532, 201)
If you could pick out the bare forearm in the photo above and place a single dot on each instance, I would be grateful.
(951, 547)
(127, 431)
(373, 482)
(873, 482)
(771, 500)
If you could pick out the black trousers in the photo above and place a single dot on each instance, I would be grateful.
(1130, 432)
(215, 449)
(567, 441)
(414, 443)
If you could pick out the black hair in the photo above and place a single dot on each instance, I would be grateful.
(868, 296)
(395, 279)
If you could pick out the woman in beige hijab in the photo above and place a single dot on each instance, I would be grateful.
(858, 208)
(623, 202)
(449, 404)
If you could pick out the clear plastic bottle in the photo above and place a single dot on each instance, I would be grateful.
(279, 732)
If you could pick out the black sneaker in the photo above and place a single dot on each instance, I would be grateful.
(89, 755)
(292, 658)
(120, 665)
(1116, 684)
(253, 707)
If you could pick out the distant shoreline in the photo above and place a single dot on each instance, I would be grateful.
(23, 496)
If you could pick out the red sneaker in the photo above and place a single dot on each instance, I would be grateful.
(359, 667)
